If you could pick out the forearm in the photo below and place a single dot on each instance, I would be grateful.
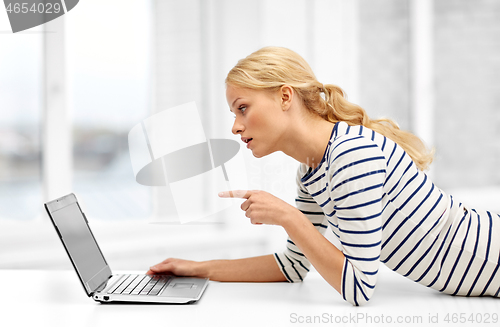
(254, 269)
(321, 253)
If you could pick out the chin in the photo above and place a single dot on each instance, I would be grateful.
(257, 154)
(260, 154)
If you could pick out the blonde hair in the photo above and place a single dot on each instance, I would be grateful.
(272, 67)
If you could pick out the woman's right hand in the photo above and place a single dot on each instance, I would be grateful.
(177, 267)
(255, 269)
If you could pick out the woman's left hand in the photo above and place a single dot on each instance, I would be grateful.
(262, 207)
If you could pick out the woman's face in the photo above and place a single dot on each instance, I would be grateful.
(259, 119)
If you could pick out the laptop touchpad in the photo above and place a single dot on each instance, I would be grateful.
(181, 288)
(183, 285)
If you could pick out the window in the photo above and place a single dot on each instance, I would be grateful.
(108, 65)
(20, 103)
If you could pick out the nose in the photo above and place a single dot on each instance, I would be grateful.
(237, 127)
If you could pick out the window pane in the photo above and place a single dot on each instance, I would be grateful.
(20, 108)
(108, 62)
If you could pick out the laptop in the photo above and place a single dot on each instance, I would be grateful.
(95, 274)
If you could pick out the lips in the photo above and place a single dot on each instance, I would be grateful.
(247, 140)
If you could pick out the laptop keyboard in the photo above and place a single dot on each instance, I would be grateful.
(140, 285)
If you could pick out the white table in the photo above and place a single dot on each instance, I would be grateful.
(56, 298)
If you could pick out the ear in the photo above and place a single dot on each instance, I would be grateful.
(287, 93)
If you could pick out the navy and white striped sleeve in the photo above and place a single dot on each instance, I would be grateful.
(357, 173)
(292, 262)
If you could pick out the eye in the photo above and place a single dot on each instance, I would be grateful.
(242, 109)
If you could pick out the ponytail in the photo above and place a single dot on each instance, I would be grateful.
(337, 108)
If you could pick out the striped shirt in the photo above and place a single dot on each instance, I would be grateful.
(383, 209)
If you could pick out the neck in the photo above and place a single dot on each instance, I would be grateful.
(307, 139)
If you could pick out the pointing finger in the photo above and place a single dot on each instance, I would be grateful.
(242, 194)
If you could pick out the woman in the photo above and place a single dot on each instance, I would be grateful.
(364, 178)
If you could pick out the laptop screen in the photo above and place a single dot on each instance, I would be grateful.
(79, 242)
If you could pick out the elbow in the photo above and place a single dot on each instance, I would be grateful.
(360, 295)
(358, 302)
(295, 277)
(293, 270)
(357, 289)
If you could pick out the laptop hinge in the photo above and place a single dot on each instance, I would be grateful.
(104, 273)
(102, 286)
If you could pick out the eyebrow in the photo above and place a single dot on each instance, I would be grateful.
(233, 104)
